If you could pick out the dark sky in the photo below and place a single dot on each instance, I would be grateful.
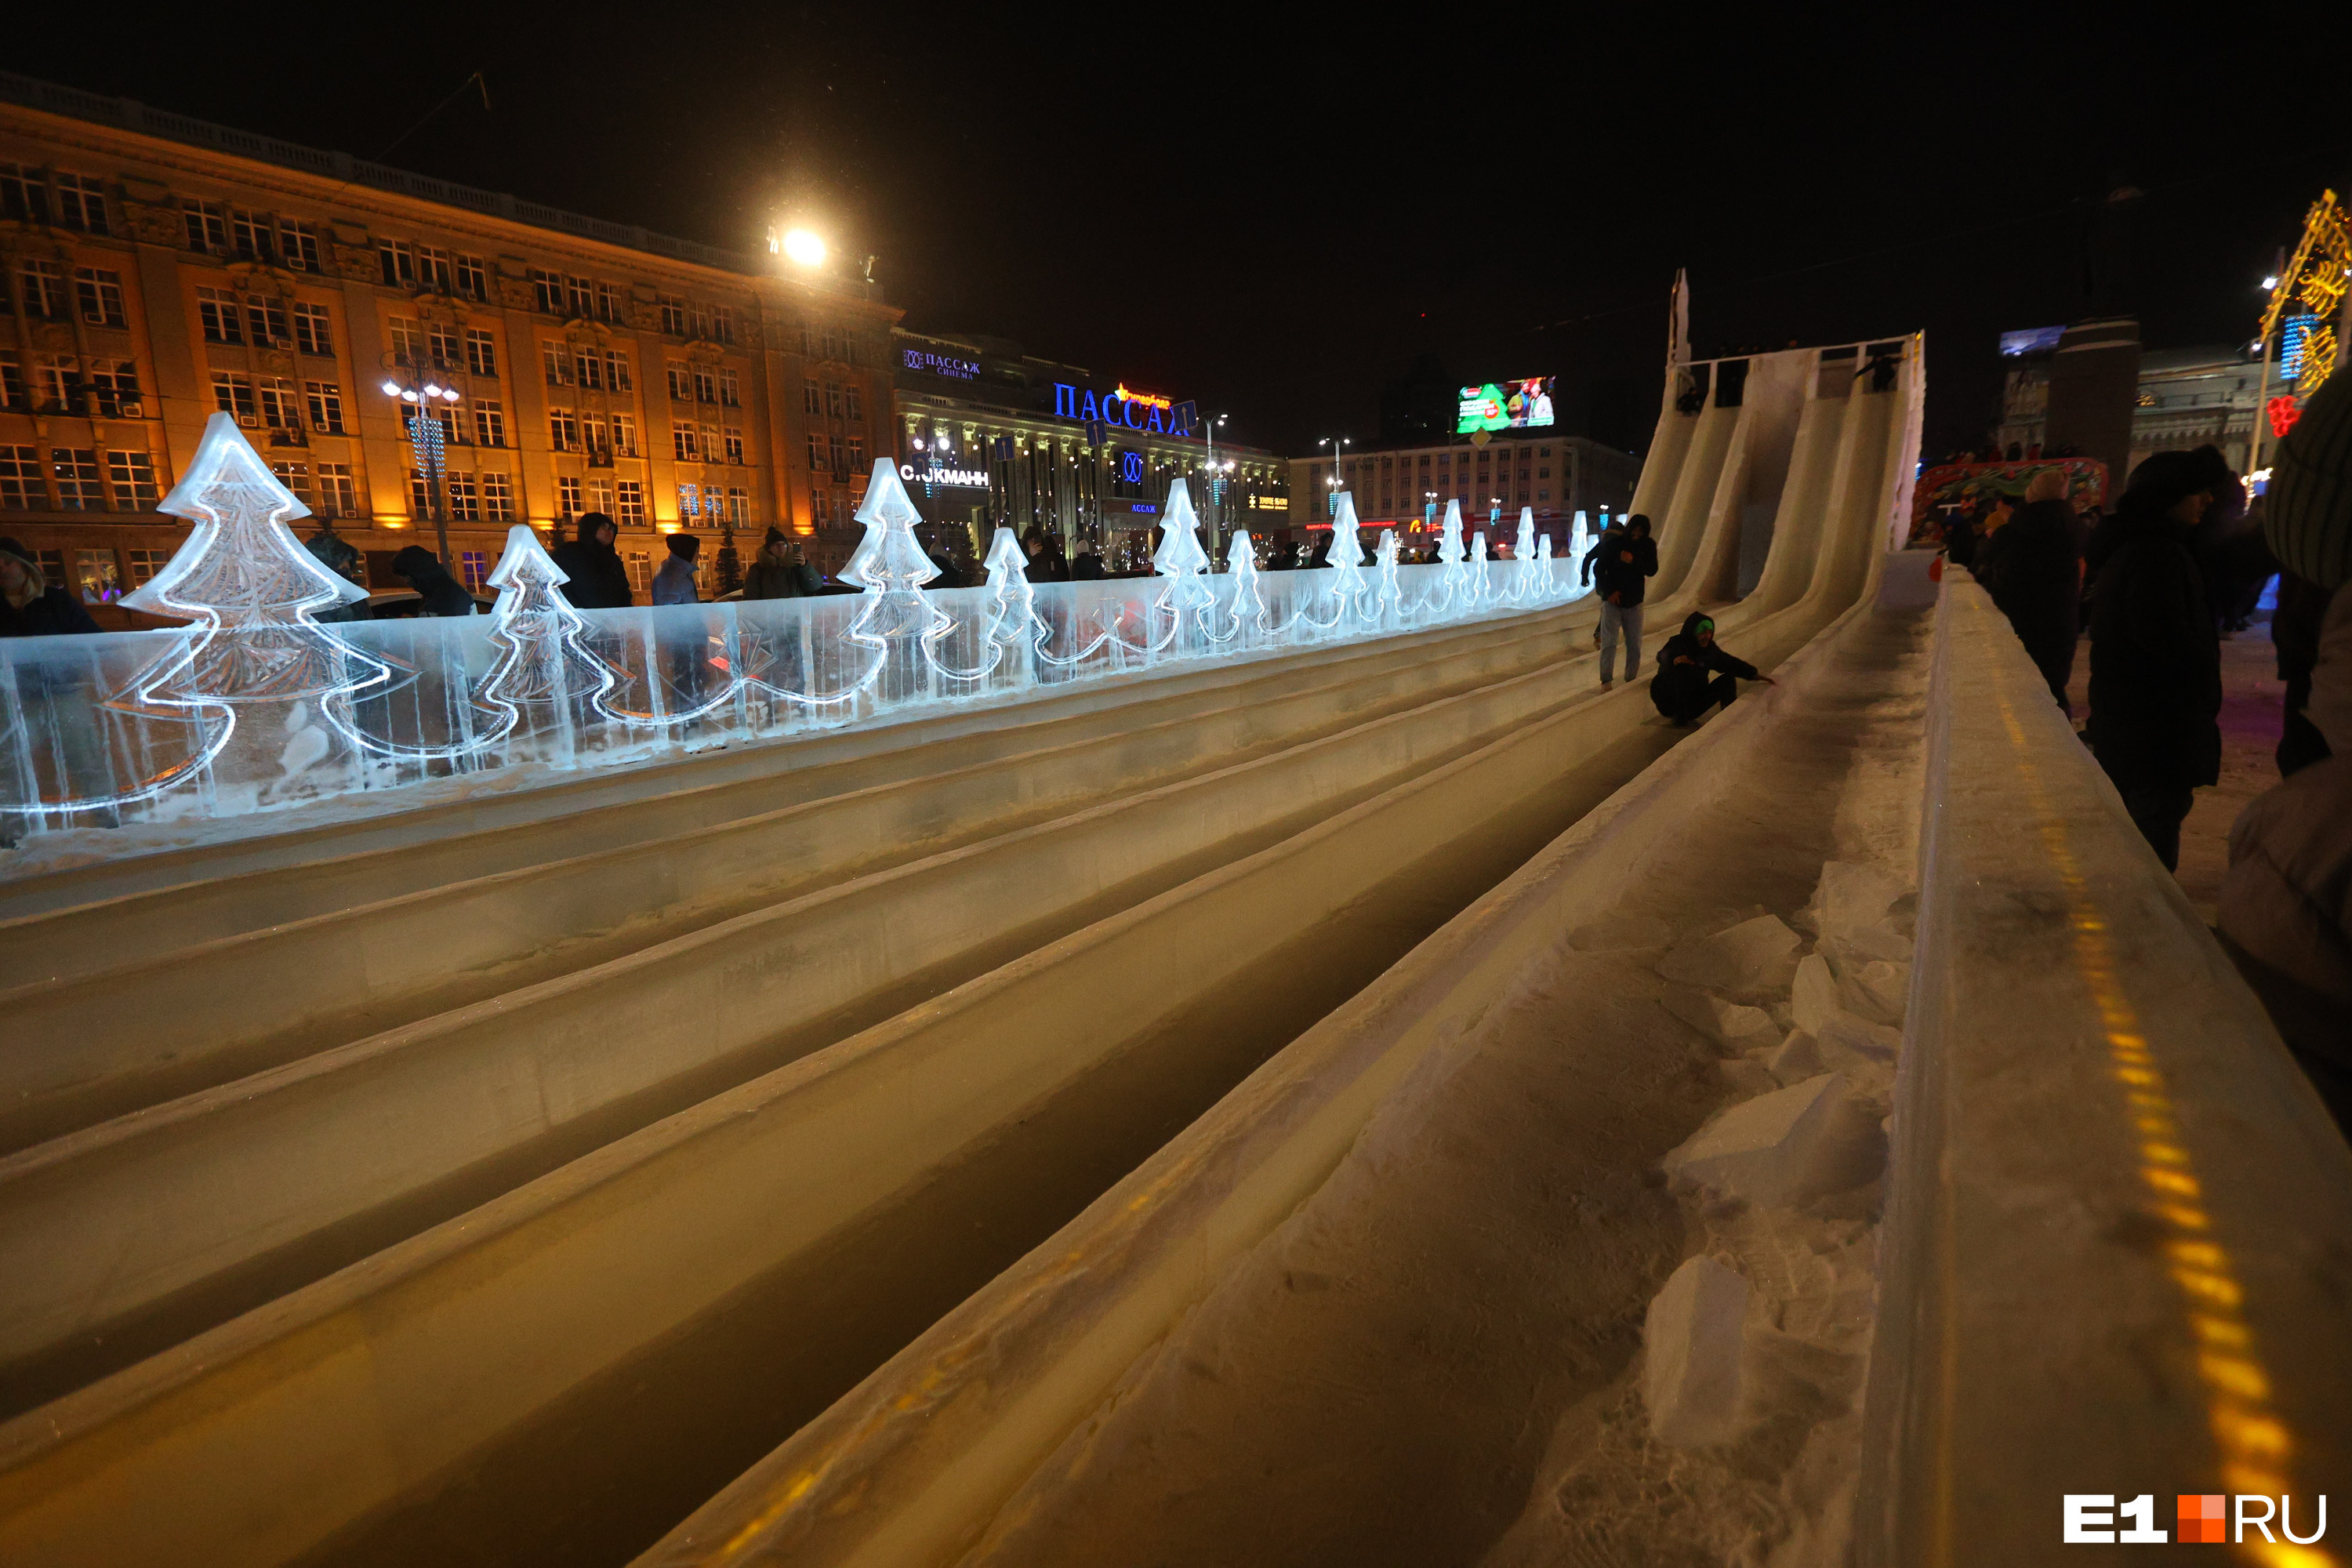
(1274, 210)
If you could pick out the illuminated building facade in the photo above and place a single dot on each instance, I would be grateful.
(158, 268)
(1557, 475)
(989, 435)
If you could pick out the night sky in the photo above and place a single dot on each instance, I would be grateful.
(1277, 219)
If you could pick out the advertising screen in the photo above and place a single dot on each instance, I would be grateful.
(1505, 405)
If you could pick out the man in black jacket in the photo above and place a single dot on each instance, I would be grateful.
(2034, 568)
(1620, 567)
(2155, 660)
(422, 570)
(29, 605)
(595, 578)
(1694, 674)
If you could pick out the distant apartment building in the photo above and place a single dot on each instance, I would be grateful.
(2186, 398)
(1557, 476)
(158, 268)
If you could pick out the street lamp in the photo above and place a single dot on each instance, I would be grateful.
(425, 437)
(1209, 428)
(1339, 444)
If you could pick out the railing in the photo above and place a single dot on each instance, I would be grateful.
(144, 726)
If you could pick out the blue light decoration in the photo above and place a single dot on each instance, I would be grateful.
(2295, 338)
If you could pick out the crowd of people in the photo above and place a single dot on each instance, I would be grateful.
(2179, 564)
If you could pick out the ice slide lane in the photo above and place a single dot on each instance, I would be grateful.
(580, 1346)
(66, 922)
(138, 1033)
(234, 1193)
(910, 1466)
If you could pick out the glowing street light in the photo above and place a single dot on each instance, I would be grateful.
(803, 248)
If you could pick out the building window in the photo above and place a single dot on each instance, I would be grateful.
(233, 394)
(567, 496)
(840, 459)
(562, 429)
(481, 352)
(738, 505)
(145, 564)
(81, 203)
(475, 567)
(681, 384)
(420, 502)
(588, 366)
(816, 450)
(631, 502)
(326, 406)
(206, 226)
(114, 384)
(547, 290)
(624, 435)
(608, 302)
(398, 259)
(857, 454)
(338, 497)
(673, 315)
(734, 445)
(313, 335)
(295, 477)
(20, 479)
(812, 402)
(817, 505)
(248, 233)
(76, 471)
(99, 293)
(617, 370)
(404, 342)
(722, 323)
(45, 289)
(833, 400)
(298, 243)
(489, 422)
(641, 572)
(579, 298)
(266, 314)
(278, 405)
(731, 389)
(24, 197)
(435, 269)
(442, 343)
(95, 572)
(706, 387)
(600, 497)
(854, 402)
(465, 504)
(12, 380)
(473, 278)
(497, 500)
(682, 439)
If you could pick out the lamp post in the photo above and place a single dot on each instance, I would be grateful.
(425, 438)
(1209, 430)
(1339, 444)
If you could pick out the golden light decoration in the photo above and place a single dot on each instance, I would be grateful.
(2313, 280)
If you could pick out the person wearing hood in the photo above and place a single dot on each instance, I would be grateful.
(422, 570)
(338, 555)
(1695, 673)
(594, 578)
(2033, 569)
(29, 605)
(781, 572)
(2156, 661)
(1626, 558)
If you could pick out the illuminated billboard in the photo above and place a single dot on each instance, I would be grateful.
(1505, 405)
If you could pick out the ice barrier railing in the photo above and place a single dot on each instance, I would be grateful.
(257, 705)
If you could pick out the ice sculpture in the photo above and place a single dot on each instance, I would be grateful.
(1523, 587)
(1580, 544)
(1248, 611)
(1481, 590)
(1346, 560)
(1451, 581)
(542, 663)
(1388, 598)
(1546, 584)
(897, 617)
(1180, 558)
(1013, 620)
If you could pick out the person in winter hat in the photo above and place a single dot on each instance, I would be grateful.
(29, 605)
(594, 577)
(674, 584)
(1695, 673)
(781, 572)
(443, 595)
(2155, 660)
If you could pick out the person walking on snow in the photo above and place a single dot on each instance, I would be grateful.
(1694, 674)
(1626, 559)
(2033, 569)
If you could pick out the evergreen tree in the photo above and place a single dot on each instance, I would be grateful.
(730, 565)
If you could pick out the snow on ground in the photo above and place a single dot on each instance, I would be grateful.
(1438, 1359)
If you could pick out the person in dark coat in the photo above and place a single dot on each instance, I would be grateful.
(781, 572)
(2034, 568)
(1621, 565)
(2156, 663)
(1961, 537)
(338, 555)
(594, 577)
(1087, 567)
(422, 570)
(29, 605)
(1694, 674)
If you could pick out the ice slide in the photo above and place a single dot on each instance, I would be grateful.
(1274, 918)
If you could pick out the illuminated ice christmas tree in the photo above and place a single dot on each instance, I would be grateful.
(1547, 585)
(251, 588)
(1580, 544)
(890, 565)
(1347, 557)
(543, 662)
(1479, 592)
(1248, 611)
(1012, 618)
(1388, 598)
(1523, 577)
(1180, 557)
(1451, 555)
